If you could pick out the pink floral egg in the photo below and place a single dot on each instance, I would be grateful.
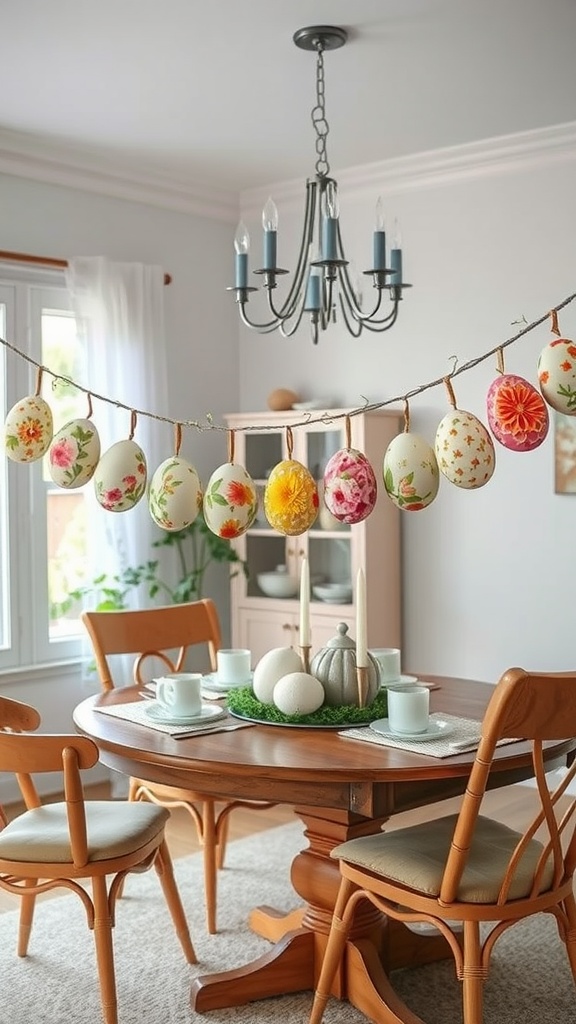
(517, 413)
(464, 450)
(410, 471)
(120, 477)
(557, 375)
(350, 487)
(230, 501)
(74, 454)
(28, 429)
(291, 498)
(175, 497)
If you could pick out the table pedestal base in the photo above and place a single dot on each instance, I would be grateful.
(376, 944)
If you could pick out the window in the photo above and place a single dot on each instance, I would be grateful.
(42, 527)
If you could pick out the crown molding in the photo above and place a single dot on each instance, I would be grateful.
(436, 168)
(28, 156)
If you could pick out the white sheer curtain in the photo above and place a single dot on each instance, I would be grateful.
(119, 309)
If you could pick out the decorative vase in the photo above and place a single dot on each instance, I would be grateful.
(335, 667)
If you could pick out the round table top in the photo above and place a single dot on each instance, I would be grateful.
(283, 753)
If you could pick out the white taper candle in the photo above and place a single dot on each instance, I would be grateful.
(304, 604)
(361, 638)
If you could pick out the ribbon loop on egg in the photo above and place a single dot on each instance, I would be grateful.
(555, 328)
(450, 392)
(406, 416)
(39, 380)
(177, 438)
(289, 441)
(133, 421)
(231, 444)
(348, 432)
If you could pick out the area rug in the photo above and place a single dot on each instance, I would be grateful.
(530, 982)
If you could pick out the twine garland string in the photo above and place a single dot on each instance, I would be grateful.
(208, 423)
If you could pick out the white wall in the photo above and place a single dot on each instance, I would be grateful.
(488, 574)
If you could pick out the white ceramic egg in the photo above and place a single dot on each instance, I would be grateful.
(557, 375)
(298, 694)
(230, 501)
(464, 449)
(120, 477)
(28, 429)
(175, 497)
(278, 662)
(410, 472)
(74, 454)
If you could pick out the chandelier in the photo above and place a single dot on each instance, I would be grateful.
(324, 284)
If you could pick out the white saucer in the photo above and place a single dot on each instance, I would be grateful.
(400, 681)
(211, 682)
(437, 729)
(162, 715)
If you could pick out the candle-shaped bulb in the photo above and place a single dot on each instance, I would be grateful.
(330, 204)
(242, 239)
(270, 215)
(379, 215)
(396, 257)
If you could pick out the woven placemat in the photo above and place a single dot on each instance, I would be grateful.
(136, 712)
(466, 732)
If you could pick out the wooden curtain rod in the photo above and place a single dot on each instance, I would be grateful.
(46, 261)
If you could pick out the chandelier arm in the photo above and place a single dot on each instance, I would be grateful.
(354, 328)
(383, 325)
(266, 328)
(287, 332)
(287, 310)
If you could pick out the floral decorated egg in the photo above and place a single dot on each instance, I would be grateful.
(28, 429)
(230, 501)
(557, 375)
(464, 450)
(74, 454)
(517, 413)
(175, 497)
(410, 472)
(120, 477)
(291, 498)
(350, 487)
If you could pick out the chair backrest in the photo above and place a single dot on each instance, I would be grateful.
(536, 708)
(17, 717)
(165, 633)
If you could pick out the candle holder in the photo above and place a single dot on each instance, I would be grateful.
(305, 654)
(362, 677)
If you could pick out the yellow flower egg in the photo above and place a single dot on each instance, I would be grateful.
(291, 498)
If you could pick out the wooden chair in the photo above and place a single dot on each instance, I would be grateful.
(166, 633)
(62, 844)
(467, 868)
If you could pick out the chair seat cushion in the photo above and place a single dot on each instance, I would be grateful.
(114, 828)
(415, 857)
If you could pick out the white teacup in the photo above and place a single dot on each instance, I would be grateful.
(388, 659)
(233, 665)
(179, 692)
(408, 708)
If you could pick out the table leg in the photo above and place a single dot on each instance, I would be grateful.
(293, 963)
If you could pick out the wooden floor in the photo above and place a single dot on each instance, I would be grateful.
(507, 805)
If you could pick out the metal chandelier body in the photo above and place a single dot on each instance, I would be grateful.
(323, 285)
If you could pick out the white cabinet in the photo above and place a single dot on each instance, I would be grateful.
(334, 551)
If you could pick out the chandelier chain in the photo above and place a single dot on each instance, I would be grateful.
(319, 121)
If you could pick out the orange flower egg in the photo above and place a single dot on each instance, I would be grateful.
(517, 413)
(230, 501)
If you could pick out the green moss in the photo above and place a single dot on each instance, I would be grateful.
(243, 702)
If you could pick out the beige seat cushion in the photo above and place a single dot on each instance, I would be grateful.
(416, 856)
(113, 828)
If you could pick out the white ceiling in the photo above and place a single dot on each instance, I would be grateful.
(214, 92)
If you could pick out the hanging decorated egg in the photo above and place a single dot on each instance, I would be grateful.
(557, 375)
(74, 454)
(120, 477)
(28, 429)
(410, 472)
(291, 498)
(350, 487)
(175, 497)
(230, 501)
(464, 450)
(517, 413)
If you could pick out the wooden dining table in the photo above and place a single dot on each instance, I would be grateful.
(340, 789)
